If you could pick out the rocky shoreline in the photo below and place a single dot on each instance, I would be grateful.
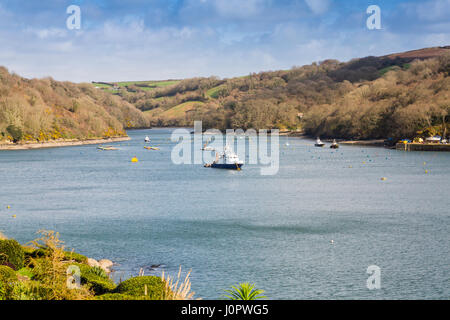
(104, 264)
(59, 143)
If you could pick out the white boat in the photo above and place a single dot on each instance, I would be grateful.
(226, 160)
(147, 139)
(319, 143)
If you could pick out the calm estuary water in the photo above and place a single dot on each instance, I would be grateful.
(230, 227)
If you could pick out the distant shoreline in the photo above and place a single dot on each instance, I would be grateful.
(59, 143)
(372, 143)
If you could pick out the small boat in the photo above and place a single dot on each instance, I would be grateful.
(147, 139)
(107, 148)
(334, 145)
(319, 143)
(151, 148)
(226, 160)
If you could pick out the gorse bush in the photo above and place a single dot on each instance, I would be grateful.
(12, 254)
(150, 286)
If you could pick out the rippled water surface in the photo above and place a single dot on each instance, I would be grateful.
(230, 227)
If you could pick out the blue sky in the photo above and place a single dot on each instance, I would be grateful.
(162, 39)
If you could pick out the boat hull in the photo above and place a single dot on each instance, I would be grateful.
(236, 166)
(319, 145)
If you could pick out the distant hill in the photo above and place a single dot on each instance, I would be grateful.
(45, 109)
(397, 95)
(426, 53)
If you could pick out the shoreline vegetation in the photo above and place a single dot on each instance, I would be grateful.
(59, 143)
(44, 270)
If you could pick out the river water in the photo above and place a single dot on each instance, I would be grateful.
(230, 227)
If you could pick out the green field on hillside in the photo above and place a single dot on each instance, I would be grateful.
(178, 111)
(214, 92)
(144, 85)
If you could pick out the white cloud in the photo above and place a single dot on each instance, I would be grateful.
(48, 33)
(318, 6)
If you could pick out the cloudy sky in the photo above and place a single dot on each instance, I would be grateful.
(171, 39)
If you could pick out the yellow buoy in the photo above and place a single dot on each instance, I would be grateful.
(134, 160)
(426, 171)
(424, 163)
(8, 207)
(383, 179)
(14, 216)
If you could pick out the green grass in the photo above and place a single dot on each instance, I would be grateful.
(143, 85)
(181, 109)
(383, 71)
(102, 85)
(214, 92)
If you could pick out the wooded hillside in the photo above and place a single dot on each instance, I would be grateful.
(45, 109)
(400, 95)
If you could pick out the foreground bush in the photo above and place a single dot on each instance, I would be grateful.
(68, 255)
(96, 279)
(50, 271)
(11, 253)
(150, 286)
(7, 280)
(26, 272)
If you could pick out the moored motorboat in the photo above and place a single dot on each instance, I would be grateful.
(226, 160)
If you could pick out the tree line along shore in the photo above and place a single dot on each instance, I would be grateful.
(399, 96)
